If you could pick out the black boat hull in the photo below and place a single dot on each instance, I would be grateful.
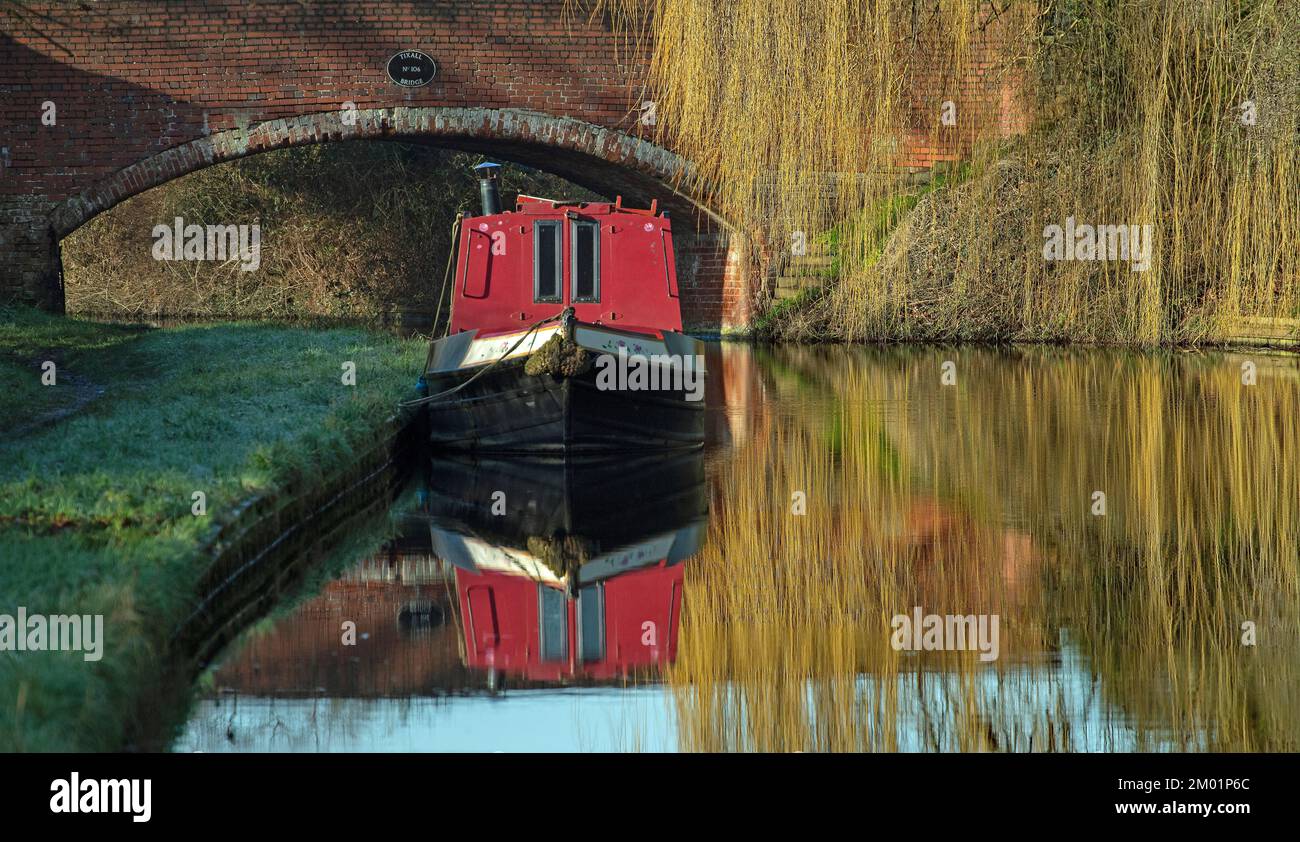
(506, 410)
(614, 501)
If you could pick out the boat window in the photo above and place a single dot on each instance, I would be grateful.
(586, 261)
(546, 260)
(591, 623)
(554, 625)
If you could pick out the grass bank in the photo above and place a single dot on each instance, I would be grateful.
(98, 476)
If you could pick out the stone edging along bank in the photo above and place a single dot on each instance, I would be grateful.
(260, 555)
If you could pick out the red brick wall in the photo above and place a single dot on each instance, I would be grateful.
(986, 97)
(135, 77)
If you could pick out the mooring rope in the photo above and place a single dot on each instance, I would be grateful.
(442, 296)
(567, 312)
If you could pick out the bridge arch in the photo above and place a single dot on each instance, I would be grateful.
(604, 160)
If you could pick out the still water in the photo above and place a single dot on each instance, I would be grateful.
(1106, 542)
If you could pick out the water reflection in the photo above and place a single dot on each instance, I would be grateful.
(568, 571)
(845, 486)
(541, 576)
(1127, 625)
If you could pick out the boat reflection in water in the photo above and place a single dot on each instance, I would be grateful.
(562, 581)
(564, 571)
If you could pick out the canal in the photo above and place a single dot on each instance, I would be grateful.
(894, 549)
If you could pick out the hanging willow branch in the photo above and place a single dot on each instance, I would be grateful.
(801, 120)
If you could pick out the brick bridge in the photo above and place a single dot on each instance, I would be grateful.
(144, 91)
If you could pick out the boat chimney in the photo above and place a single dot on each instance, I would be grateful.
(487, 187)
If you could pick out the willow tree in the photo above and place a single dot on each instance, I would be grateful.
(800, 120)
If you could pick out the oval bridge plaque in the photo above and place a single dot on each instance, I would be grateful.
(411, 69)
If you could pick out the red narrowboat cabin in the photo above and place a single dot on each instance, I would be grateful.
(578, 575)
(615, 618)
(565, 333)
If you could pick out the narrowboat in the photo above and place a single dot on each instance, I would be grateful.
(565, 334)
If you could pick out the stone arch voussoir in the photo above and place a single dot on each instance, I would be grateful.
(511, 133)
